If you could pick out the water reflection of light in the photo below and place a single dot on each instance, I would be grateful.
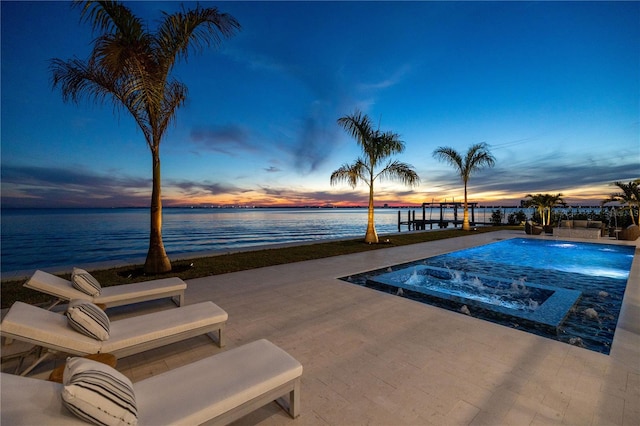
(563, 245)
(458, 284)
(596, 271)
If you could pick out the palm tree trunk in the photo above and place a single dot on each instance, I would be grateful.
(465, 214)
(371, 236)
(157, 260)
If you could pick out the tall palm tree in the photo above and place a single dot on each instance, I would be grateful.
(629, 198)
(478, 156)
(544, 203)
(377, 147)
(131, 66)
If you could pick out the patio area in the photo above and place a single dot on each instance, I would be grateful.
(373, 358)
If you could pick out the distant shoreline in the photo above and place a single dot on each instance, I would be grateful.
(288, 207)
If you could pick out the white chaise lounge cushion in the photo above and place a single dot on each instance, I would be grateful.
(34, 402)
(88, 319)
(127, 336)
(98, 393)
(85, 282)
(215, 385)
(141, 329)
(192, 394)
(115, 295)
(45, 328)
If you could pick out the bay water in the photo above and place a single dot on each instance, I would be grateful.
(58, 239)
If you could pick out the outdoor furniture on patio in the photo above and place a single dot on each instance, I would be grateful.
(108, 359)
(531, 229)
(592, 229)
(52, 332)
(630, 233)
(111, 296)
(217, 390)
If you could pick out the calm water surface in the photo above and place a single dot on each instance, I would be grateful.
(46, 238)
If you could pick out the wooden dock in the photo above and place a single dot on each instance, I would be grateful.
(421, 223)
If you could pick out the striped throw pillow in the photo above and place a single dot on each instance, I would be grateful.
(88, 319)
(98, 393)
(85, 282)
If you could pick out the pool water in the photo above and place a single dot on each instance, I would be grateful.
(515, 301)
(589, 279)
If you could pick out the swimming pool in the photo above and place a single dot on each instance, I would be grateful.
(567, 291)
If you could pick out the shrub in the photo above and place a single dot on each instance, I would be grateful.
(496, 217)
(516, 218)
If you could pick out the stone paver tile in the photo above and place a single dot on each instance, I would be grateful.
(615, 381)
(522, 412)
(579, 411)
(476, 395)
(609, 410)
(484, 418)
(631, 412)
(346, 414)
(588, 385)
(542, 420)
(500, 402)
(395, 374)
(557, 400)
(633, 383)
(462, 413)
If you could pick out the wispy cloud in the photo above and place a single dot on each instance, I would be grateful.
(28, 186)
(315, 142)
(189, 188)
(388, 81)
(541, 177)
(255, 60)
(31, 186)
(230, 139)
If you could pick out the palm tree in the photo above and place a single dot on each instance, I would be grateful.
(478, 157)
(544, 203)
(131, 67)
(377, 147)
(629, 198)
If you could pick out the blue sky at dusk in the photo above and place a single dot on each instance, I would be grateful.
(552, 87)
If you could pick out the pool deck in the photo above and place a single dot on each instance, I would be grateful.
(374, 358)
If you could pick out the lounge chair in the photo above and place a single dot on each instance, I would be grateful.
(630, 233)
(51, 332)
(218, 389)
(531, 229)
(116, 295)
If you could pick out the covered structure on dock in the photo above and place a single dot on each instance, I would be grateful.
(421, 224)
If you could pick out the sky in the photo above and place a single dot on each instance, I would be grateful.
(552, 87)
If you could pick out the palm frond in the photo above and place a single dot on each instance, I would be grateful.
(109, 17)
(350, 174)
(450, 156)
(78, 80)
(359, 127)
(399, 172)
(386, 144)
(193, 29)
(176, 94)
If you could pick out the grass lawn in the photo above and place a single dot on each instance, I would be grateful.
(186, 269)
